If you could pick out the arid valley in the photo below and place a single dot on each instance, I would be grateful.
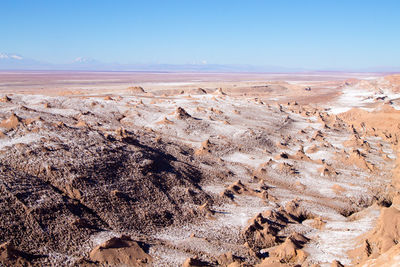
(199, 169)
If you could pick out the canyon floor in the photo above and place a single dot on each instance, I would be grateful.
(199, 169)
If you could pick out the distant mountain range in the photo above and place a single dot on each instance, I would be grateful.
(18, 62)
(14, 61)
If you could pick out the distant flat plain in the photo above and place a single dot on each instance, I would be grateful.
(54, 82)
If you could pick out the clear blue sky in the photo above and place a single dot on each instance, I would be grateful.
(302, 33)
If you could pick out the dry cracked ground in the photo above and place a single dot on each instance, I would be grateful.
(283, 172)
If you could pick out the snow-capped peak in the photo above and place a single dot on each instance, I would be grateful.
(10, 56)
(83, 60)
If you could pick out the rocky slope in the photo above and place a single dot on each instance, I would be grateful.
(202, 178)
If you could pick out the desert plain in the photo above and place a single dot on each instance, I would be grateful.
(199, 169)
